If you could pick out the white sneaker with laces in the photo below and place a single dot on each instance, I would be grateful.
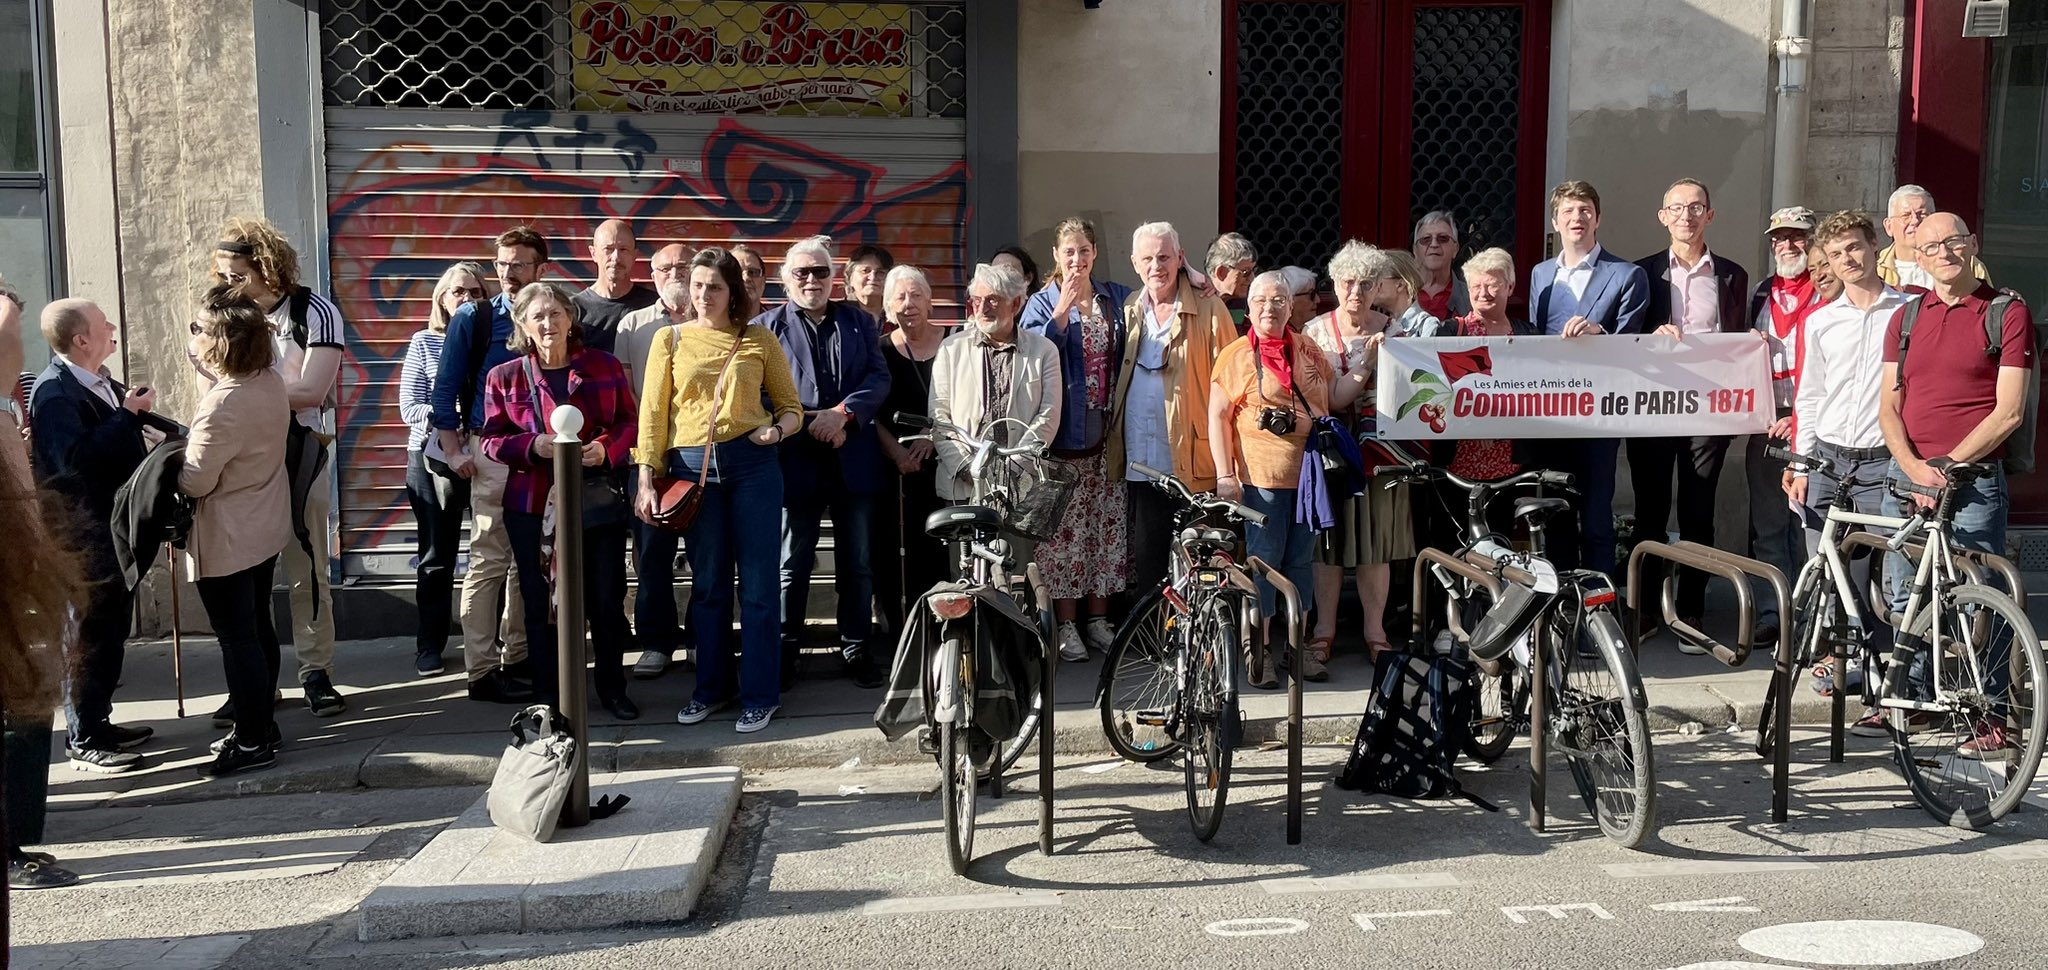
(1099, 634)
(1072, 650)
(651, 664)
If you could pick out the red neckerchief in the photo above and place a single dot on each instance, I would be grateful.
(1791, 301)
(1274, 355)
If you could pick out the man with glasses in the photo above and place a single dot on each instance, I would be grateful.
(835, 465)
(472, 347)
(613, 294)
(1692, 291)
(1232, 263)
(655, 623)
(753, 273)
(1443, 294)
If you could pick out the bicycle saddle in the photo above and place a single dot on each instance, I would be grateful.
(1965, 472)
(962, 521)
(1539, 510)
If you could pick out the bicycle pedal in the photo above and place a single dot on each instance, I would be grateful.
(1150, 718)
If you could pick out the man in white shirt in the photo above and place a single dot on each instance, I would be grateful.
(655, 624)
(1841, 381)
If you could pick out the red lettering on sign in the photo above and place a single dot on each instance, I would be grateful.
(788, 39)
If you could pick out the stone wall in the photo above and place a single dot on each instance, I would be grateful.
(1853, 127)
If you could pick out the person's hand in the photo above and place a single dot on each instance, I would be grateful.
(1229, 489)
(1580, 326)
(462, 464)
(1672, 331)
(544, 447)
(1794, 486)
(829, 426)
(1781, 429)
(766, 435)
(1372, 347)
(643, 501)
(593, 454)
(151, 437)
(907, 463)
(1074, 291)
(140, 399)
(1926, 475)
(921, 450)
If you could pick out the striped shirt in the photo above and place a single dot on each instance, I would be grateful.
(416, 386)
(323, 329)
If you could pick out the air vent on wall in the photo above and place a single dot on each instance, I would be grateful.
(1987, 18)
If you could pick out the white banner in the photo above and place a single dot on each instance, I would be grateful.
(1607, 386)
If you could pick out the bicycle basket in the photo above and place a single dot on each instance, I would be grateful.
(1035, 495)
(1507, 620)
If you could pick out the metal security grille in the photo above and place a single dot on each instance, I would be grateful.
(893, 60)
(1467, 114)
(1290, 130)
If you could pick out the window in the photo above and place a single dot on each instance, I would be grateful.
(25, 246)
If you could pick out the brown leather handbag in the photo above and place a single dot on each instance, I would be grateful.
(676, 500)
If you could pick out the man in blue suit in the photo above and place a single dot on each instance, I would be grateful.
(1586, 291)
(88, 440)
(835, 353)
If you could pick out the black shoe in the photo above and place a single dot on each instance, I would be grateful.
(32, 874)
(224, 715)
(866, 673)
(428, 662)
(235, 759)
(126, 737)
(275, 741)
(23, 855)
(1766, 633)
(103, 759)
(621, 707)
(321, 697)
(495, 687)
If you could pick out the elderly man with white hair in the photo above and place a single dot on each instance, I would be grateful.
(907, 561)
(992, 370)
(1161, 403)
(1899, 263)
(834, 465)
(1442, 294)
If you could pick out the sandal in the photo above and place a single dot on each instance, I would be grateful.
(1376, 647)
(1313, 667)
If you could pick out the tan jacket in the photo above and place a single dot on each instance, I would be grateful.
(234, 466)
(1192, 343)
(959, 399)
(1888, 267)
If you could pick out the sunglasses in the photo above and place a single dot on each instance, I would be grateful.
(468, 292)
(811, 272)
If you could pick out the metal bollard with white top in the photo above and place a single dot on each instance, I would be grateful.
(567, 421)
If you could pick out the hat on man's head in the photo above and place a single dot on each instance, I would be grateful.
(1791, 217)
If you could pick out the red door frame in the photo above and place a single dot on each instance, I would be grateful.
(1378, 111)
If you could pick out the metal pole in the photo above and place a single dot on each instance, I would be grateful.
(177, 633)
(1048, 675)
(567, 422)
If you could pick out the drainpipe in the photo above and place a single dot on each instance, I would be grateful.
(1795, 51)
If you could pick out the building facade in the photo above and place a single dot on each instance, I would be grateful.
(388, 138)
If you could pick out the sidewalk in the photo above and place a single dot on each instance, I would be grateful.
(406, 731)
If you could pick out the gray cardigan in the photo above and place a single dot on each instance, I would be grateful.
(959, 399)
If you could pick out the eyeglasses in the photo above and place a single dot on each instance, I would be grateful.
(233, 279)
(1441, 239)
(669, 270)
(469, 292)
(197, 329)
(977, 302)
(1954, 244)
(504, 267)
(1686, 209)
(1278, 302)
(810, 272)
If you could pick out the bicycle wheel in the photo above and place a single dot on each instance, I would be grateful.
(1208, 714)
(1500, 709)
(1136, 693)
(1972, 763)
(956, 765)
(1598, 722)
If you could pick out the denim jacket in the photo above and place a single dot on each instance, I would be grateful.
(1037, 318)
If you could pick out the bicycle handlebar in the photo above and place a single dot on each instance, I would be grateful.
(935, 428)
(1815, 464)
(1424, 471)
(1200, 499)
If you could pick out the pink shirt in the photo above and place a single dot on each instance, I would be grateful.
(1695, 298)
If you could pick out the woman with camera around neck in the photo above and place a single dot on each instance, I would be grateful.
(1266, 390)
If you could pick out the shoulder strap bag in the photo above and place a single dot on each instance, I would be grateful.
(676, 500)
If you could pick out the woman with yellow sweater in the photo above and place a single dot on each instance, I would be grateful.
(703, 418)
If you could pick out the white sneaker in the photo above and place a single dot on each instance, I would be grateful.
(651, 664)
(1072, 650)
(1690, 649)
(1099, 634)
(1446, 643)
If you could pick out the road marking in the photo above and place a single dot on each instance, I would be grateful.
(1726, 904)
(1554, 912)
(1704, 867)
(1258, 926)
(948, 904)
(1861, 942)
(1364, 920)
(1339, 884)
(2029, 852)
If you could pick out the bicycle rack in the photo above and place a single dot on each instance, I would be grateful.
(1292, 597)
(1738, 570)
(1048, 675)
(1476, 566)
(1423, 560)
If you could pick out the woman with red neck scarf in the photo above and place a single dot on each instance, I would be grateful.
(1268, 387)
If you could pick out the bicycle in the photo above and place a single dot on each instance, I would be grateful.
(1182, 645)
(1937, 738)
(1015, 493)
(1559, 628)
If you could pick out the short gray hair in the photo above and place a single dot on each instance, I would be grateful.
(819, 246)
(1271, 277)
(1156, 230)
(1230, 248)
(1360, 261)
(906, 273)
(1299, 280)
(1909, 191)
(1495, 261)
(1432, 218)
(1000, 281)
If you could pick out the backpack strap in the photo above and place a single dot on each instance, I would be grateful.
(1907, 314)
(1994, 320)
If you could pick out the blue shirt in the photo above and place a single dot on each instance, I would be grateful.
(458, 386)
(1145, 436)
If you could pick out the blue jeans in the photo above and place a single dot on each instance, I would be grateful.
(1979, 525)
(1283, 543)
(1868, 500)
(853, 528)
(735, 531)
(1775, 536)
(655, 626)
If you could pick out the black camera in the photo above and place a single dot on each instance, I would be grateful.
(1278, 421)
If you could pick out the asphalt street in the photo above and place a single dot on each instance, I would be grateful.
(845, 867)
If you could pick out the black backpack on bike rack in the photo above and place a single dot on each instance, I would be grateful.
(1414, 726)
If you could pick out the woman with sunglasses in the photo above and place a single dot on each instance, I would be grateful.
(439, 496)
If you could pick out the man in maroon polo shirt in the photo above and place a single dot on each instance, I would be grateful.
(1951, 399)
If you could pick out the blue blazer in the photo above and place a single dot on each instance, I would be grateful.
(1037, 318)
(1616, 298)
(85, 449)
(457, 396)
(863, 386)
